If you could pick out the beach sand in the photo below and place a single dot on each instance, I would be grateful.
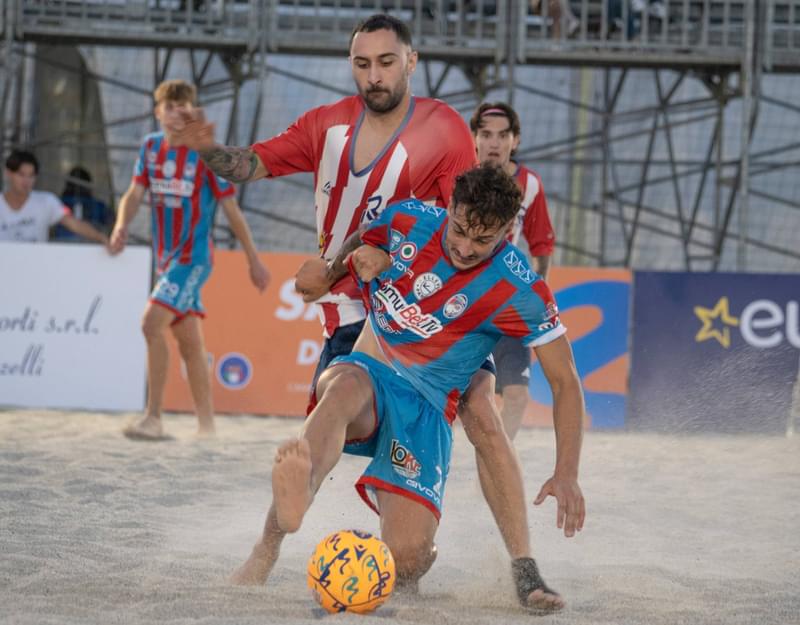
(95, 528)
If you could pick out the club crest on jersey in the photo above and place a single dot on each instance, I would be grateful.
(518, 267)
(455, 306)
(189, 170)
(550, 311)
(407, 251)
(426, 285)
(405, 315)
(396, 238)
(169, 169)
(403, 461)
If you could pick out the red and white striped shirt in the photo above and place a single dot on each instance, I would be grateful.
(429, 149)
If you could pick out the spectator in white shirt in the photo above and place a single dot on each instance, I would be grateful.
(28, 215)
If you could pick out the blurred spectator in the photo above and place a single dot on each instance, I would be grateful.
(77, 195)
(27, 215)
(560, 12)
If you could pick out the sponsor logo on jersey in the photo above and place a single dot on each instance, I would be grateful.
(426, 285)
(169, 169)
(455, 306)
(403, 461)
(407, 251)
(174, 186)
(518, 267)
(424, 208)
(396, 238)
(550, 311)
(234, 371)
(326, 188)
(405, 315)
(189, 170)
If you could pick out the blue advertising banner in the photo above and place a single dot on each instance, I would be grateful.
(593, 304)
(713, 351)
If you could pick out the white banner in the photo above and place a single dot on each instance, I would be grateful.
(70, 326)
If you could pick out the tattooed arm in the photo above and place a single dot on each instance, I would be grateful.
(231, 163)
(234, 164)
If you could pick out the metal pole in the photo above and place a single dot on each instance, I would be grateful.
(746, 79)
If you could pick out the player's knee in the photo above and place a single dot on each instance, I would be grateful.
(413, 556)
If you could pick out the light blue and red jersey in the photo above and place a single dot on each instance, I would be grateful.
(437, 324)
(183, 199)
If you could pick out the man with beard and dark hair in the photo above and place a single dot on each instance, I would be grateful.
(367, 151)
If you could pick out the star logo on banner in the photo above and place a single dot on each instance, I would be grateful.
(709, 330)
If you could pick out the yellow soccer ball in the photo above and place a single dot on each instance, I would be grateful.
(351, 571)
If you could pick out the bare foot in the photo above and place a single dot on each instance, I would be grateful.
(256, 568)
(532, 591)
(546, 602)
(147, 429)
(291, 483)
(206, 431)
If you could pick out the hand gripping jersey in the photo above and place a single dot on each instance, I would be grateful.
(436, 324)
(533, 219)
(183, 198)
(421, 160)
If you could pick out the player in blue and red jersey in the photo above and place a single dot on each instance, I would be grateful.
(183, 200)
(442, 286)
(365, 151)
(496, 129)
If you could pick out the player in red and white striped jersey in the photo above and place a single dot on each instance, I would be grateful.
(496, 129)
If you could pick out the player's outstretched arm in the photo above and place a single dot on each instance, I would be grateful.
(259, 275)
(558, 367)
(128, 207)
(232, 163)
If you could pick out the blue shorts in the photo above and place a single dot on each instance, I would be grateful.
(341, 343)
(410, 446)
(178, 288)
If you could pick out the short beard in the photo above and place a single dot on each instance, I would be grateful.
(393, 101)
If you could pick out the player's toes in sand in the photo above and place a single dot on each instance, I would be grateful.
(148, 428)
(542, 601)
(291, 483)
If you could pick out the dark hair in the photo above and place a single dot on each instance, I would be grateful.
(494, 109)
(490, 197)
(381, 21)
(73, 186)
(18, 158)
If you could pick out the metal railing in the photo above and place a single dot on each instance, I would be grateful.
(612, 32)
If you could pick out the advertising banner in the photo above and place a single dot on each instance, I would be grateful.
(69, 326)
(263, 348)
(594, 305)
(714, 351)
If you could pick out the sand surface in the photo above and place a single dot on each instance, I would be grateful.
(95, 528)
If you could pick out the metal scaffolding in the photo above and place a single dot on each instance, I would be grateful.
(725, 46)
